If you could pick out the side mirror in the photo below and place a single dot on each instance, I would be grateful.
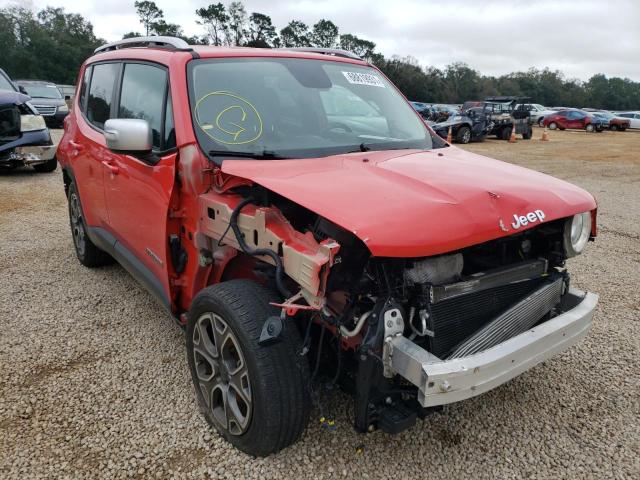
(128, 135)
(22, 90)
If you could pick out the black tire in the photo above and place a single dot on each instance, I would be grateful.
(613, 128)
(622, 129)
(277, 376)
(541, 122)
(528, 134)
(590, 127)
(505, 134)
(463, 135)
(553, 125)
(47, 167)
(87, 252)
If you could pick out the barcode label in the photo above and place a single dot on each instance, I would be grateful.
(363, 79)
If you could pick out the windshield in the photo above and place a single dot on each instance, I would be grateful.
(42, 91)
(297, 108)
(5, 84)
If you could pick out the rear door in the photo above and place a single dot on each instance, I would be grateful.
(138, 188)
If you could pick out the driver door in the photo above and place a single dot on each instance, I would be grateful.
(138, 188)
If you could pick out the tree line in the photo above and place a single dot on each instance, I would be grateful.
(52, 44)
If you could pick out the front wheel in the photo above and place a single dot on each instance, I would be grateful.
(528, 134)
(614, 127)
(590, 128)
(256, 396)
(541, 122)
(463, 135)
(553, 126)
(46, 167)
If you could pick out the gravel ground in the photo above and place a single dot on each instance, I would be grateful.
(94, 380)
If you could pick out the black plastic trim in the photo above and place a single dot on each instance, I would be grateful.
(107, 242)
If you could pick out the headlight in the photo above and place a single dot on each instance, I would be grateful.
(63, 109)
(30, 123)
(577, 231)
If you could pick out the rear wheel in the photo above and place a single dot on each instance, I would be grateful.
(463, 135)
(590, 128)
(87, 252)
(614, 127)
(255, 396)
(541, 122)
(506, 133)
(46, 167)
(528, 134)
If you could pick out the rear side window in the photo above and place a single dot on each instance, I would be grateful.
(143, 96)
(101, 93)
(84, 88)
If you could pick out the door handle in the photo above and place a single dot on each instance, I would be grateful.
(113, 169)
(77, 146)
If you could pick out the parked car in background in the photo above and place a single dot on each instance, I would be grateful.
(24, 136)
(614, 122)
(47, 100)
(575, 119)
(633, 117)
(537, 112)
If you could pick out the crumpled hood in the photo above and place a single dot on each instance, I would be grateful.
(417, 203)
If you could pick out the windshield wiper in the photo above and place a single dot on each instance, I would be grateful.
(264, 155)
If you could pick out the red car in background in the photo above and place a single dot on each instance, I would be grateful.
(574, 119)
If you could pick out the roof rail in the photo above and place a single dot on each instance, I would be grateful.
(335, 52)
(153, 41)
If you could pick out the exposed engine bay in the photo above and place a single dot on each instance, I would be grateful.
(348, 304)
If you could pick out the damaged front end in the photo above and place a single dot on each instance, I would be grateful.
(24, 137)
(402, 335)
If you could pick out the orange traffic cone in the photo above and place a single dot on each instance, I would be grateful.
(449, 136)
(545, 135)
(512, 139)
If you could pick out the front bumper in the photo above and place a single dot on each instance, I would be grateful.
(56, 119)
(30, 149)
(446, 381)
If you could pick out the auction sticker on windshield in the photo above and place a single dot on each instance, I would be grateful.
(363, 79)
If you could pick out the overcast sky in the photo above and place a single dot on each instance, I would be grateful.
(580, 37)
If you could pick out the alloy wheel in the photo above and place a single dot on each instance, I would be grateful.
(222, 372)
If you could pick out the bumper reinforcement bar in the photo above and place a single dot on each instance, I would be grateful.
(446, 381)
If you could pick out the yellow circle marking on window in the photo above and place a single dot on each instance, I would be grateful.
(237, 132)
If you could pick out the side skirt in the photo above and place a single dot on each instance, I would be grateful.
(107, 242)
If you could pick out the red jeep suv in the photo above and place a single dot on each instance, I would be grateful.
(298, 219)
